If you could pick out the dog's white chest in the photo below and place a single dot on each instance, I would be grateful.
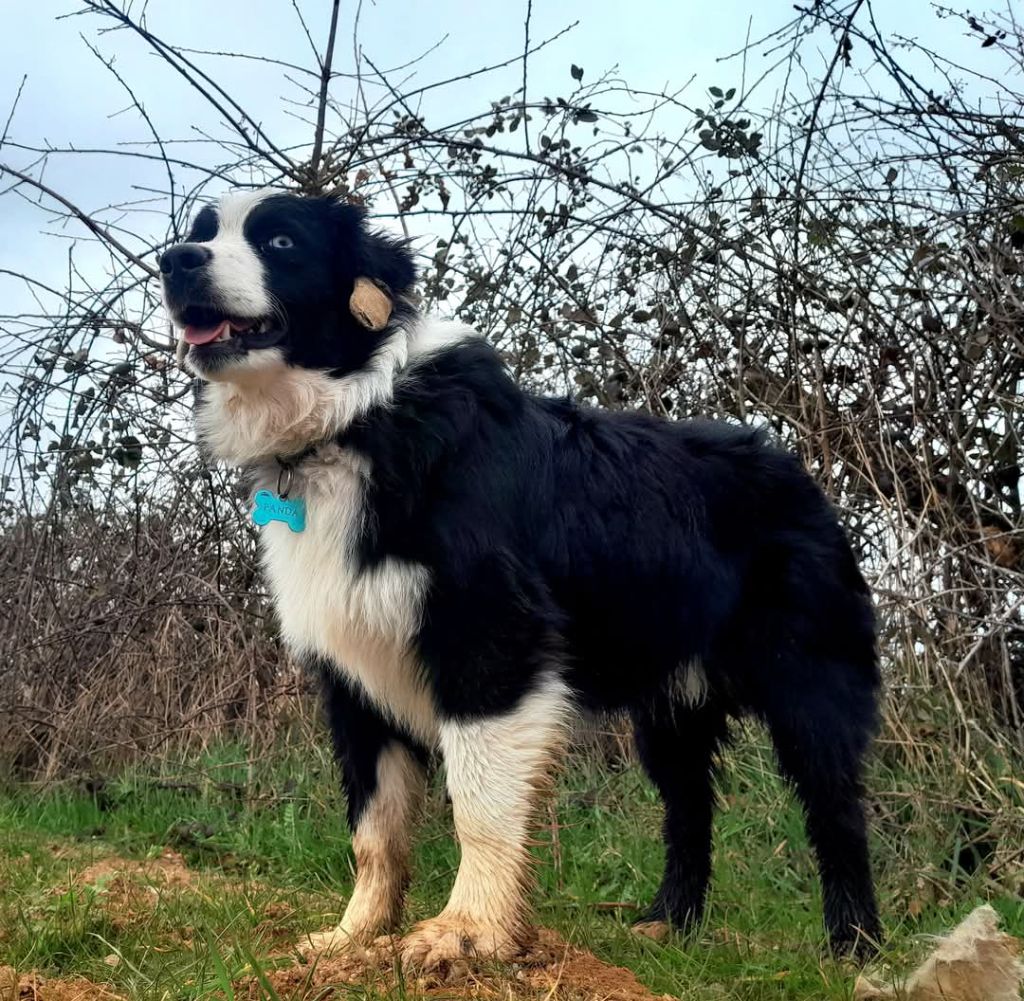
(363, 620)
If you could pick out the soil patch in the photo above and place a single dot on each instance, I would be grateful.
(169, 869)
(131, 888)
(551, 969)
(33, 987)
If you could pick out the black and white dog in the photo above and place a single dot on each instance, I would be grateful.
(468, 565)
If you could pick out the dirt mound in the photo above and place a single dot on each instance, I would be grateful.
(130, 887)
(562, 967)
(551, 969)
(169, 869)
(33, 987)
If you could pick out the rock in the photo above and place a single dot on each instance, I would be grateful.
(975, 962)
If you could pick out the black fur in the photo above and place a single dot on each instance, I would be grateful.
(622, 547)
(359, 734)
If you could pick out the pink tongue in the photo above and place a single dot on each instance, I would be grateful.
(203, 335)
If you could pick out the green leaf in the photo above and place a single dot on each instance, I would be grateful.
(715, 92)
(261, 975)
(223, 978)
(577, 72)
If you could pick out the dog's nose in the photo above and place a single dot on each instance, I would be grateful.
(184, 257)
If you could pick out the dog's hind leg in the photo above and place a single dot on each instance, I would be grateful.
(496, 766)
(678, 744)
(821, 729)
(384, 777)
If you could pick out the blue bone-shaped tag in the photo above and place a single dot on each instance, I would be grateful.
(270, 507)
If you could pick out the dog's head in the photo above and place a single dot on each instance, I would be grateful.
(268, 279)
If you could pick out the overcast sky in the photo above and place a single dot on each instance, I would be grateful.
(70, 98)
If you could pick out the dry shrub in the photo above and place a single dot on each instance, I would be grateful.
(845, 266)
(126, 637)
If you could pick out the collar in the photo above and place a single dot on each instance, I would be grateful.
(298, 457)
(286, 466)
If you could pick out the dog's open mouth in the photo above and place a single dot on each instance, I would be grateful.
(203, 325)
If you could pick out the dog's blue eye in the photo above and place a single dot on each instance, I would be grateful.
(281, 242)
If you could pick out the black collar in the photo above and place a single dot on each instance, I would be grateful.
(291, 461)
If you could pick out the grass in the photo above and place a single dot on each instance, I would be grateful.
(267, 851)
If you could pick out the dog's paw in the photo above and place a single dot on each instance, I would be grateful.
(333, 942)
(453, 940)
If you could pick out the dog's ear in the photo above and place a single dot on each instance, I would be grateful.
(387, 260)
(380, 266)
(370, 304)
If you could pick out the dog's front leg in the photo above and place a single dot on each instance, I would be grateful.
(384, 777)
(496, 769)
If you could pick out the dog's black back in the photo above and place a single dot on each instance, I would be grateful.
(685, 571)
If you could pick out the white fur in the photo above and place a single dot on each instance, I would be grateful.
(250, 370)
(364, 622)
(264, 408)
(495, 768)
(690, 683)
(363, 619)
(237, 278)
(431, 335)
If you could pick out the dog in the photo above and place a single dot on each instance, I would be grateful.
(468, 565)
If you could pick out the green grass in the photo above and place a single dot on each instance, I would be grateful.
(269, 851)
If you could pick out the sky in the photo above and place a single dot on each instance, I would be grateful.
(70, 98)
